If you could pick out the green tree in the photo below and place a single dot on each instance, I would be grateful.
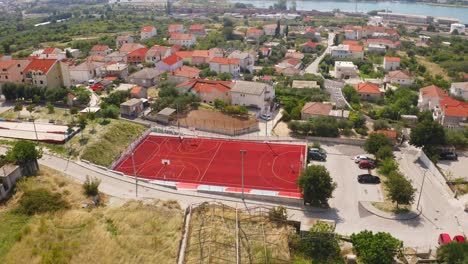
(453, 253)
(82, 122)
(225, 76)
(317, 185)
(425, 115)
(427, 134)
(50, 108)
(384, 152)
(400, 190)
(387, 166)
(25, 154)
(321, 244)
(376, 141)
(379, 248)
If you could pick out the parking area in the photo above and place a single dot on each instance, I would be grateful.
(344, 172)
(455, 169)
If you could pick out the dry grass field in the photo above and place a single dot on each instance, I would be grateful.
(135, 232)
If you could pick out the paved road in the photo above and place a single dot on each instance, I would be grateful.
(313, 67)
(421, 232)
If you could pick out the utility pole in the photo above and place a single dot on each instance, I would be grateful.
(420, 191)
(242, 152)
(136, 177)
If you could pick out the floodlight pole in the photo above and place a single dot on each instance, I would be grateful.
(136, 177)
(242, 152)
(420, 191)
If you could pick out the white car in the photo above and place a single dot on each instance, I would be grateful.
(360, 157)
(266, 117)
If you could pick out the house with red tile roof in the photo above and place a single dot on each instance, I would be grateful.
(270, 29)
(391, 134)
(157, 53)
(137, 56)
(130, 47)
(351, 42)
(368, 91)
(120, 40)
(266, 52)
(391, 63)
(100, 50)
(12, 71)
(198, 30)
(254, 34)
(353, 32)
(308, 46)
(208, 90)
(183, 74)
(170, 63)
(452, 113)
(176, 28)
(197, 57)
(315, 109)
(138, 92)
(400, 77)
(180, 39)
(430, 96)
(148, 32)
(290, 63)
(225, 65)
(44, 73)
(96, 58)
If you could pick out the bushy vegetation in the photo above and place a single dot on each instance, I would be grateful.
(41, 200)
(91, 186)
(380, 247)
(169, 96)
(225, 107)
(317, 126)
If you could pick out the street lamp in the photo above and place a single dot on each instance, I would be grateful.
(420, 191)
(242, 152)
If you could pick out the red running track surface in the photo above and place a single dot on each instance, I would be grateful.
(267, 166)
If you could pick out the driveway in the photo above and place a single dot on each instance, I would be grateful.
(313, 67)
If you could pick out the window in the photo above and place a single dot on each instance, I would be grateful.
(41, 82)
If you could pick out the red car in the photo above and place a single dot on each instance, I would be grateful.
(459, 239)
(366, 164)
(97, 86)
(444, 238)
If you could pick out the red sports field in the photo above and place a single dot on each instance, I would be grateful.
(267, 166)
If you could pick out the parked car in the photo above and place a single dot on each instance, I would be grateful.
(459, 239)
(366, 164)
(368, 178)
(358, 158)
(266, 117)
(97, 86)
(444, 238)
(317, 150)
(317, 156)
(448, 156)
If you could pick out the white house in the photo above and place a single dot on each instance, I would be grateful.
(353, 34)
(391, 63)
(148, 32)
(460, 28)
(85, 71)
(170, 63)
(222, 65)
(348, 51)
(377, 48)
(460, 89)
(157, 53)
(253, 94)
(246, 60)
(100, 50)
(400, 77)
(430, 96)
(345, 69)
(182, 39)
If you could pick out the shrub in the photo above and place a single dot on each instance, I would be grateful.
(40, 200)
(380, 124)
(18, 106)
(73, 110)
(384, 153)
(278, 213)
(361, 131)
(91, 186)
(50, 108)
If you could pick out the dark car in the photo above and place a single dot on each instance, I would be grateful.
(368, 178)
(366, 164)
(317, 156)
(448, 156)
